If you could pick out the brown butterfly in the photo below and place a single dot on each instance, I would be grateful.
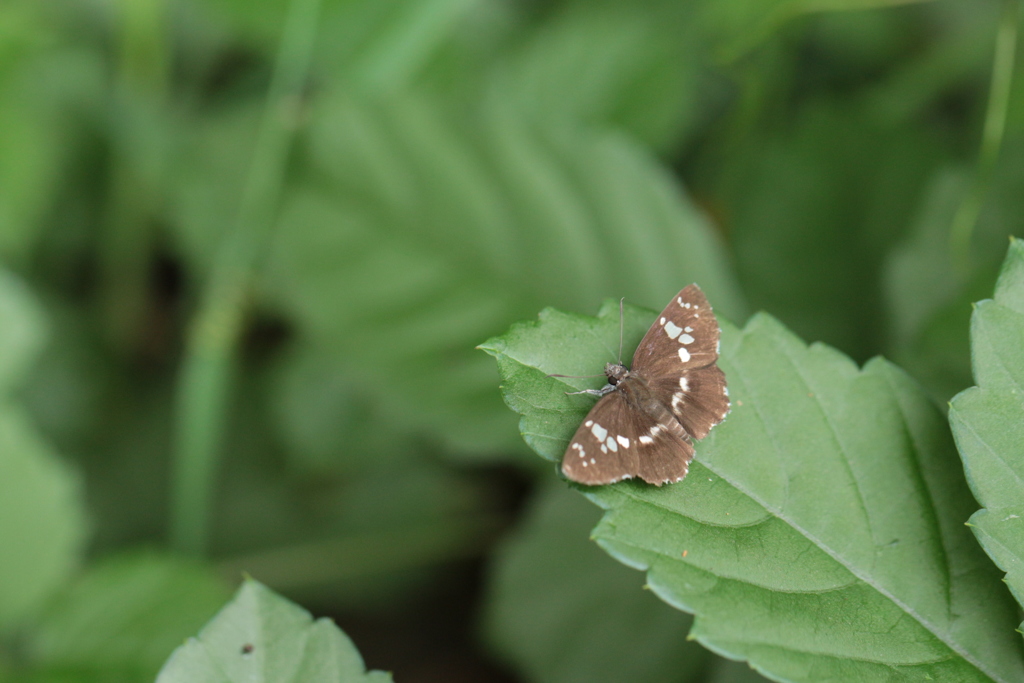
(649, 416)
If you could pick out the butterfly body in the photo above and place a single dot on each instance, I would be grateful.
(648, 417)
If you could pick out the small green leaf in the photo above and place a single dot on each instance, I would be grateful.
(820, 532)
(260, 636)
(126, 615)
(988, 421)
(562, 611)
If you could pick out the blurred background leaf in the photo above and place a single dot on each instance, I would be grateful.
(125, 616)
(454, 166)
(42, 517)
(438, 222)
(608, 65)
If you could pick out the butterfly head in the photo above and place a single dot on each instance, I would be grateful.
(616, 372)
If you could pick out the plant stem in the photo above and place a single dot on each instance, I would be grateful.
(991, 140)
(211, 346)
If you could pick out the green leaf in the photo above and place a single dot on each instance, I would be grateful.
(820, 532)
(261, 636)
(927, 310)
(379, 44)
(42, 515)
(814, 208)
(988, 421)
(385, 45)
(428, 233)
(126, 615)
(929, 298)
(562, 343)
(917, 274)
(22, 330)
(562, 611)
(324, 421)
(627, 66)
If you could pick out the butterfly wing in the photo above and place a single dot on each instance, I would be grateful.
(684, 337)
(617, 442)
(631, 432)
(698, 398)
(677, 359)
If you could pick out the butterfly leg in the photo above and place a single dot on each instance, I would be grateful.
(606, 389)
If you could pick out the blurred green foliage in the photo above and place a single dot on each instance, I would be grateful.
(438, 170)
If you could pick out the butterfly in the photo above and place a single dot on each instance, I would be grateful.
(650, 414)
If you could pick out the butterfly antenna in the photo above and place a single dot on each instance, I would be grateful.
(575, 376)
(620, 329)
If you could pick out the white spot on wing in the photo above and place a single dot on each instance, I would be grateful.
(599, 432)
(646, 440)
(687, 329)
(685, 339)
(662, 321)
(612, 445)
(684, 355)
(584, 463)
(622, 440)
(604, 449)
(589, 422)
(684, 384)
(673, 330)
(677, 399)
